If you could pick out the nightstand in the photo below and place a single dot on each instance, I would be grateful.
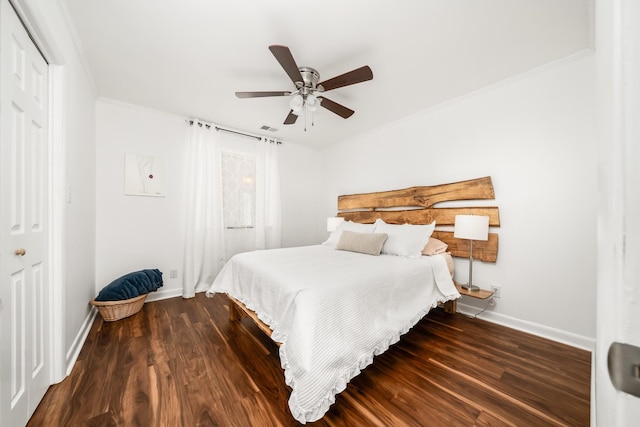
(451, 306)
(480, 294)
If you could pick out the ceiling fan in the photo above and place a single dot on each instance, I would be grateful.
(308, 93)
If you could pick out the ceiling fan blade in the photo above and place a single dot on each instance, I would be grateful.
(358, 75)
(291, 118)
(260, 94)
(285, 58)
(334, 107)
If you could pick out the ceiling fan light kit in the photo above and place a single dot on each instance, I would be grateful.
(309, 94)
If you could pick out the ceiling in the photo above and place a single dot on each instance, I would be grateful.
(189, 57)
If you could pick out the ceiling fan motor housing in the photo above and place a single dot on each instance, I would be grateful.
(310, 77)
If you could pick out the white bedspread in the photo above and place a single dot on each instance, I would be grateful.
(332, 310)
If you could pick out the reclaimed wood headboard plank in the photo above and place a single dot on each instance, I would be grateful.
(473, 189)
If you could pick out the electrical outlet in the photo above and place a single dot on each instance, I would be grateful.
(173, 274)
(497, 291)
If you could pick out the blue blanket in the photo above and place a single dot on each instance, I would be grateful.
(131, 285)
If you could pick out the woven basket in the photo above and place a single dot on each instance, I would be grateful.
(116, 310)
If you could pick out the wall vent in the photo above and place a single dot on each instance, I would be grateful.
(269, 128)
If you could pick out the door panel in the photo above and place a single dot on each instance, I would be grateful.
(18, 348)
(16, 153)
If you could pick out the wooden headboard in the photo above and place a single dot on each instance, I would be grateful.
(416, 205)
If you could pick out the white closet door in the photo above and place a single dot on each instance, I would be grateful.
(24, 234)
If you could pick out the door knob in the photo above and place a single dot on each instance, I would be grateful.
(21, 251)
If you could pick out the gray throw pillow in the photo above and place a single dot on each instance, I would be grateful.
(365, 243)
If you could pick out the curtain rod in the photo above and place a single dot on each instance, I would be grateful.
(191, 121)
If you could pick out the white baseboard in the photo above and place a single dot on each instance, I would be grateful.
(164, 294)
(553, 334)
(78, 342)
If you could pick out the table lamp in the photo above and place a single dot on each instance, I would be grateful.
(471, 227)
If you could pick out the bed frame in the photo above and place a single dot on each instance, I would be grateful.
(415, 205)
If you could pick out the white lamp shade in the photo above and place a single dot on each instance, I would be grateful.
(312, 103)
(333, 223)
(296, 103)
(472, 227)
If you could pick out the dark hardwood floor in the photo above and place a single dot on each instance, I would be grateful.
(182, 363)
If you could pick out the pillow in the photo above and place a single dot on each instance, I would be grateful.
(434, 247)
(349, 226)
(131, 285)
(364, 243)
(405, 240)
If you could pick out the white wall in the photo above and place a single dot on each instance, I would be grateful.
(147, 232)
(302, 207)
(535, 136)
(76, 124)
(137, 232)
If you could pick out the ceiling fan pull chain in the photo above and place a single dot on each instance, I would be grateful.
(306, 114)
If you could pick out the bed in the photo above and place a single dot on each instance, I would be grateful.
(332, 307)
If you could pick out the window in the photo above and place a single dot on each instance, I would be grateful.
(238, 189)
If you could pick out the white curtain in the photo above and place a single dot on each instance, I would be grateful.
(268, 229)
(204, 251)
